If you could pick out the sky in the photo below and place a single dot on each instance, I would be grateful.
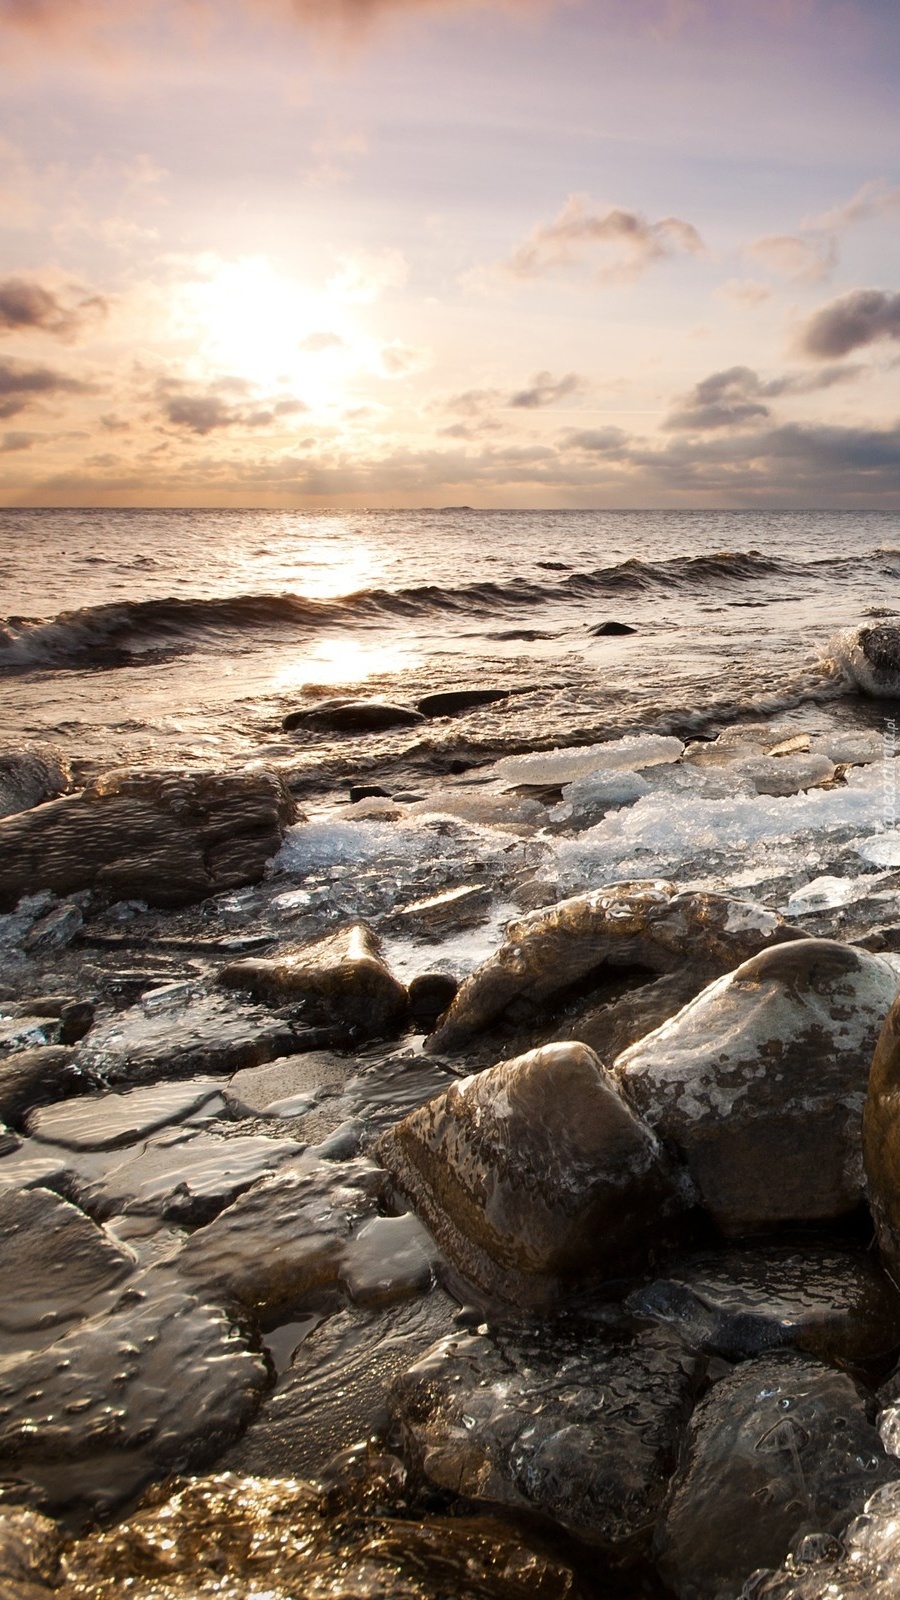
(500, 253)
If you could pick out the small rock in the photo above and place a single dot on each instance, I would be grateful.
(451, 701)
(56, 931)
(351, 716)
(54, 1262)
(390, 1258)
(368, 791)
(28, 776)
(339, 979)
(439, 914)
(430, 993)
(608, 630)
(30, 1550)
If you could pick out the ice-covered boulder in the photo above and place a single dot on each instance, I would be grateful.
(340, 979)
(863, 1564)
(533, 1174)
(759, 1083)
(871, 658)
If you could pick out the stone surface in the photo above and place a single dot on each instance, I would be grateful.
(108, 1121)
(32, 1077)
(183, 1176)
(864, 1564)
(759, 1083)
(351, 716)
(555, 1421)
(647, 926)
(533, 1174)
(390, 1258)
(54, 1261)
(779, 1449)
(30, 1548)
(29, 776)
(288, 1087)
(160, 1385)
(607, 630)
(169, 838)
(835, 1304)
(881, 1139)
(190, 1038)
(450, 702)
(340, 978)
(430, 993)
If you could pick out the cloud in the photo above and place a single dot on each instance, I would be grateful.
(21, 386)
(620, 244)
(801, 260)
(12, 443)
(875, 199)
(857, 319)
(545, 390)
(315, 343)
(226, 403)
(26, 305)
(735, 398)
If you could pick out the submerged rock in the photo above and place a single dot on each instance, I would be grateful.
(198, 1035)
(863, 1564)
(554, 1421)
(779, 1449)
(182, 1176)
(340, 978)
(351, 716)
(169, 838)
(33, 1077)
(759, 1083)
(451, 701)
(533, 1174)
(30, 1549)
(107, 1121)
(29, 776)
(54, 1260)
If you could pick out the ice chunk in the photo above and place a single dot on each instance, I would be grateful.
(883, 850)
(850, 749)
(824, 893)
(489, 809)
(597, 792)
(565, 766)
(781, 775)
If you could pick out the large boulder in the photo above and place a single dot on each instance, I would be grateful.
(169, 838)
(881, 1139)
(590, 939)
(759, 1083)
(340, 979)
(533, 1174)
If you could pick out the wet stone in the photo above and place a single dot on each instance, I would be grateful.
(881, 1139)
(555, 1421)
(200, 1034)
(30, 1548)
(54, 1261)
(449, 702)
(162, 1384)
(780, 1449)
(390, 1258)
(183, 1176)
(440, 914)
(28, 776)
(351, 716)
(430, 993)
(340, 978)
(107, 1121)
(288, 1087)
(835, 1304)
(33, 1077)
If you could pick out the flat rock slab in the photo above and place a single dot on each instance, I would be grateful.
(555, 1421)
(160, 1385)
(107, 1121)
(779, 1449)
(759, 1083)
(284, 1240)
(169, 838)
(183, 1176)
(288, 1087)
(648, 925)
(195, 1035)
(338, 979)
(54, 1262)
(836, 1304)
(533, 1174)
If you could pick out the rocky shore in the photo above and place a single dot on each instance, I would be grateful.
(420, 1229)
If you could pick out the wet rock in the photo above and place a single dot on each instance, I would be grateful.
(351, 716)
(107, 1121)
(284, 1240)
(779, 1449)
(54, 1260)
(30, 1548)
(881, 1139)
(55, 931)
(200, 1035)
(36, 1077)
(289, 1087)
(881, 648)
(533, 1174)
(555, 1421)
(162, 1384)
(229, 1537)
(451, 701)
(338, 979)
(336, 1390)
(863, 1564)
(183, 1176)
(368, 791)
(608, 630)
(390, 1258)
(75, 1020)
(430, 993)
(439, 914)
(835, 1304)
(759, 1083)
(649, 926)
(167, 838)
(29, 776)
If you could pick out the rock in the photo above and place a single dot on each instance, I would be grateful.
(533, 1174)
(608, 630)
(881, 1139)
(444, 913)
(648, 926)
(35, 1077)
(390, 1258)
(451, 701)
(779, 1449)
(835, 1304)
(162, 1384)
(107, 1121)
(554, 1421)
(168, 838)
(200, 1035)
(881, 649)
(229, 1538)
(430, 993)
(76, 1019)
(351, 716)
(55, 931)
(30, 1549)
(289, 1087)
(368, 791)
(863, 1564)
(182, 1176)
(759, 1083)
(54, 1262)
(340, 978)
(29, 776)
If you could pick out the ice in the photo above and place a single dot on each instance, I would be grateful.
(485, 808)
(883, 850)
(822, 894)
(781, 775)
(598, 792)
(852, 749)
(565, 766)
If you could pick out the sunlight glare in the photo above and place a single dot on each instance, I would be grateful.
(344, 661)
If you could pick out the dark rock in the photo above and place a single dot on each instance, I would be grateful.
(368, 791)
(554, 1421)
(439, 914)
(38, 1077)
(648, 926)
(881, 648)
(54, 1262)
(881, 1139)
(779, 1449)
(55, 931)
(351, 716)
(338, 979)
(76, 1019)
(30, 1550)
(167, 838)
(533, 1174)
(863, 1564)
(759, 1083)
(608, 630)
(451, 701)
(430, 993)
(204, 1034)
(29, 776)
(186, 1176)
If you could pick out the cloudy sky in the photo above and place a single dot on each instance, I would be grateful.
(429, 252)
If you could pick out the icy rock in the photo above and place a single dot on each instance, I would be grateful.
(29, 776)
(390, 1258)
(284, 1240)
(230, 1538)
(870, 657)
(555, 1422)
(208, 1034)
(161, 1384)
(54, 1262)
(533, 1174)
(647, 925)
(269, 1091)
(351, 716)
(835, 1304)
(783, 775)
(167, 838)
(758, 1084)
(558, 767)
(598, 792)
(106, 1121)
(339, 979)
(864, 1564)
(779, 1449)
(30, 1549)
(183, 1176)
(35, 1076)
(440, 914)
(337, 1388)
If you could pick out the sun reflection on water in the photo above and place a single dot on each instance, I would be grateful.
(342, 660)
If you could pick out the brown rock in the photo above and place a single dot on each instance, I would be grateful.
(881, 1139)
(352, 716)
(339, 979)
(39, 1077)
